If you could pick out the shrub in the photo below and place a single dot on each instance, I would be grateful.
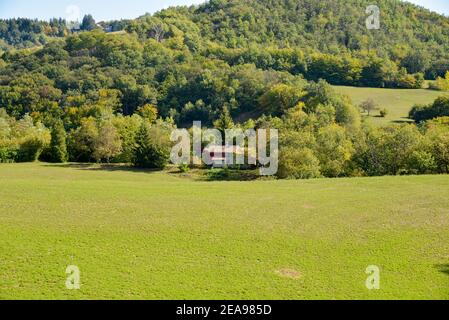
(422, 162)
(439, 108)
(440, 121)
(183, 168)
(438, 141)
(21, 140)
(383, 112)
(30, 149)
(7, 154)
(31, 139)
(441, 84)
(298, 164)
(219, 174)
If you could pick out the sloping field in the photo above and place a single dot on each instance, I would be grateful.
(398, 102)
(147, 235)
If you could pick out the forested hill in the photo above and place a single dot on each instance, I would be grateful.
(328, 26)
(411, 36)
(25, 33)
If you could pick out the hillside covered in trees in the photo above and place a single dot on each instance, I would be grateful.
(25, 33)
(253, 63)
(410, 37)
(22, 33)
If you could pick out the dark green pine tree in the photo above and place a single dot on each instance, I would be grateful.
(147, 153)
(58, 144)
(225, 121)
(88, 23)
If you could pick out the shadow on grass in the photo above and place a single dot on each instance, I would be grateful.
(210, 175)
(102, 167)
(231, 175)
(198, 175)
(444, 268)
(404, 120)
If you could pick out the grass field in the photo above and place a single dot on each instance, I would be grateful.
(140, 235)
(398, 102)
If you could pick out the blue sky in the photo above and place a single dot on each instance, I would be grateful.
(100, 9)
(441, 6)
(116, 9)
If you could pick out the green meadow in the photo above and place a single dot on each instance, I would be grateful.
(398, 102)
(145, 235)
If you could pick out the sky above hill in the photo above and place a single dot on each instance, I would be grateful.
(441, 6)
(100, 9)
(114, 9)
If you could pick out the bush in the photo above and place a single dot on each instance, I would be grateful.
(219, 174)
(298, 164)
(229, 174)
(422, 162)
(184, 168)
(383, 112)
(21, 140)
(7, 155)
(439, 108)
(438, 141)
(30, 149)
(32, 139)
(441, 84)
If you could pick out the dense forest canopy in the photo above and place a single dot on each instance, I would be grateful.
(410, 36)
(21, 33)
(192, 62)
(25, 33)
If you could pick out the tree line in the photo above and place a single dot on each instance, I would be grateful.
(321, 135)
(22, 33)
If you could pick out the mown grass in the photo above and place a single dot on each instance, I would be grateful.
(140, 235)
(398, 102)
